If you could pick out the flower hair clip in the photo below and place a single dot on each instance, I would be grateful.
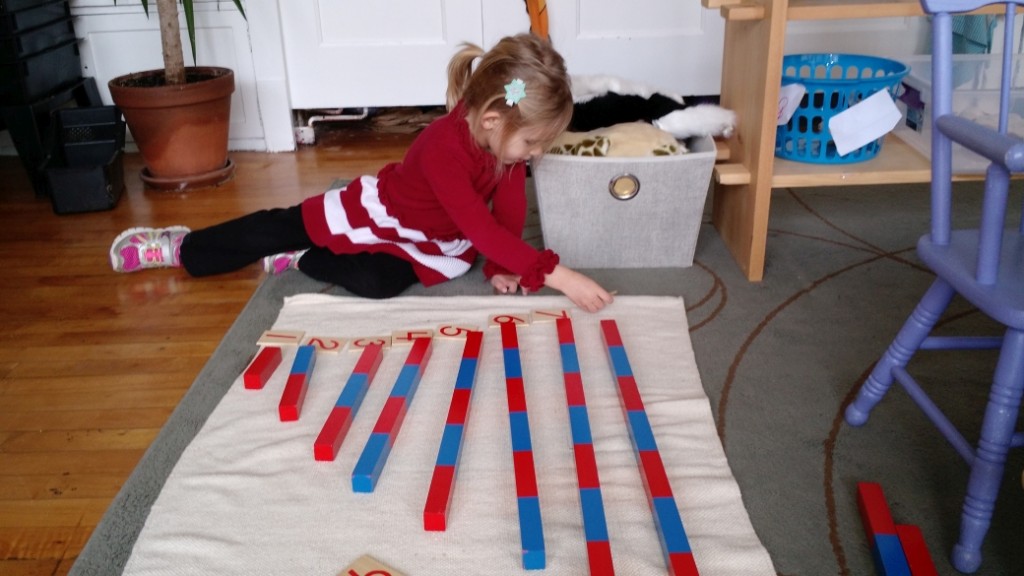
(515, 91)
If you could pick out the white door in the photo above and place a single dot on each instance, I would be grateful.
(671, 45)
(354, 53)
(349, 53)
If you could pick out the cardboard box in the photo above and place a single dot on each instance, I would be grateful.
(975, 96)
(589, 217)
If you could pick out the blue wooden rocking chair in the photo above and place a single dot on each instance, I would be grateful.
(985, 266)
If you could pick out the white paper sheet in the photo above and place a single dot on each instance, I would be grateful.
(864, 122)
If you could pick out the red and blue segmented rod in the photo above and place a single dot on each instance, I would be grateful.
(595, 525)
(674, 544)
(442, 483)
(328, 442)
(294, 393)
(531, 528)
(375, 453)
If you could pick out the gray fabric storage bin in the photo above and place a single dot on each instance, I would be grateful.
(589, 227)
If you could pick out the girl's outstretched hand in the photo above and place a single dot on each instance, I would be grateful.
(505, 283)
(583, 291)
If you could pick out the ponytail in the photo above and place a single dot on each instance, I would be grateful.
(460, 68)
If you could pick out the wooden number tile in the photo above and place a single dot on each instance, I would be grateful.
(407, 337)
(367, 565)
(281, 338)
(519, 319)
(548, 315)
(357, 344)
(454, 331)
(329, 344)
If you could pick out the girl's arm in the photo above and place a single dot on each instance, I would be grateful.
(488, 229)
(478, 221)
(508, 206)
(580, 289)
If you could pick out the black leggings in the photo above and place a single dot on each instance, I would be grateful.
(237, 243)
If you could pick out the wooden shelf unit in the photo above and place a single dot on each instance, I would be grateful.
(751, 76)
(897, 163)
(851, 9)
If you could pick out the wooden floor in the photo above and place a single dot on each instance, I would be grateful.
(93, 362)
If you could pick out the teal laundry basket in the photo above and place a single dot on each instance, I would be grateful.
(834, 82)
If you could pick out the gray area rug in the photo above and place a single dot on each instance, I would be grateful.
(779, 360)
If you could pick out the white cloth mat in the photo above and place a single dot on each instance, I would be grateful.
(248, 498)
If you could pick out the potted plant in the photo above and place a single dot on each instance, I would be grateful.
(178, 115)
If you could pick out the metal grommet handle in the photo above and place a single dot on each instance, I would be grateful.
(624, 186)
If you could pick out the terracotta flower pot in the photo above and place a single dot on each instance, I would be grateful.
(181, 131)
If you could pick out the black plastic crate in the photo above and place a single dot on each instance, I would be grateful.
(88, 187)
(35, 76)
(86, 171)
(13, 47)
(20, 15)
(12, 5)
(91, 123)
(86, 134)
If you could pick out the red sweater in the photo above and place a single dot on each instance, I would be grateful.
(447, 187)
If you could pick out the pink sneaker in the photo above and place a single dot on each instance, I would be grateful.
(279, 263)
(142, 248)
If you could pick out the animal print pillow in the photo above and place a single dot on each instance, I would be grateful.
(629, 139)
(586, 146)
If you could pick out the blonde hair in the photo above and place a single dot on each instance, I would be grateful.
(548, 100)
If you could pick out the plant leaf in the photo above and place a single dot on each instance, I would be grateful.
(145, 6)
(190, 19)
(190, 22)
(238, 4)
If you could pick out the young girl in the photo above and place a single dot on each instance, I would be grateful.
(460, 190)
